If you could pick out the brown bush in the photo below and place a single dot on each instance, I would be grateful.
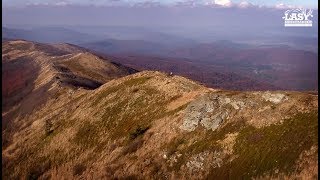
(78, 169)
(133, 146)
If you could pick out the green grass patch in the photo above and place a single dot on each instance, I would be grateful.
(87, 136)
(278, 146)
(202, 140)
(122, 86)
(125, 114)
(78, 68)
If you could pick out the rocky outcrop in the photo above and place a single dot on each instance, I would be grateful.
(274, 97)
(210, 111)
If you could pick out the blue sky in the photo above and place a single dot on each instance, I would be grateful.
(304, 3)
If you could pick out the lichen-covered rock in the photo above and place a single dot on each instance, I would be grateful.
(197, 111)
(210, 111)
(274, 97)
(197, 161)
(214, 121)
(217, 159)
(237, 104)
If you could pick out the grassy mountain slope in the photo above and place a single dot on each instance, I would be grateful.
(150, 125)
(33, 73)
(27, 64)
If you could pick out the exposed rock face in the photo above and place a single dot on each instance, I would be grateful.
(274, 97)
(210, 111)
(200, 110)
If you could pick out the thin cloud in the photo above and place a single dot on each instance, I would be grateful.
(152, 3)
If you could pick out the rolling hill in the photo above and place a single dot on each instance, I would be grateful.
(30, 68)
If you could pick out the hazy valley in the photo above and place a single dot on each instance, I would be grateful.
(220, 64)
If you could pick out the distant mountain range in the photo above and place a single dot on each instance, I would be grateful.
(90, 34)
(233, 66)
(220, 64)
(48, 35)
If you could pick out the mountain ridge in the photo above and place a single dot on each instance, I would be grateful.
(58, 64)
